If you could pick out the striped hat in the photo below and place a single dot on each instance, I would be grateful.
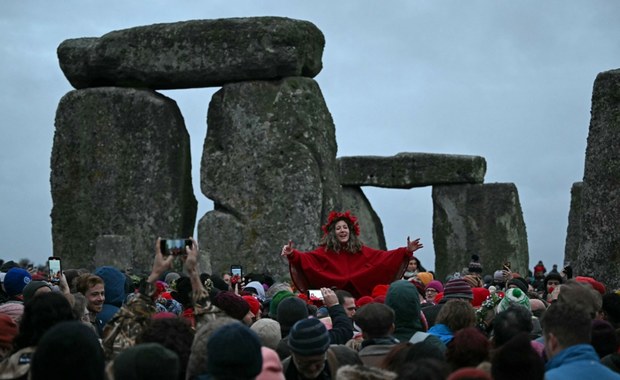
(458, 288)
(308, 337)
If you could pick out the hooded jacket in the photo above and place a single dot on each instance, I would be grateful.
(578, 362)
(114, 287)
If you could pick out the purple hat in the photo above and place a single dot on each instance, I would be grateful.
(435, 284)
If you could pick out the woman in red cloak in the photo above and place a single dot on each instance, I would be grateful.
(342, 261)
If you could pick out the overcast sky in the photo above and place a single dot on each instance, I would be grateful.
(509, 81)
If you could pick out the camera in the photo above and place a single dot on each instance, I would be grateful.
(174, 247)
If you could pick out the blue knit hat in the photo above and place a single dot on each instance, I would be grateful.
(234, 353)
(308, 337)
(16, 280)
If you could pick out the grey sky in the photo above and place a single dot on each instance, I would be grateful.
(509, 81)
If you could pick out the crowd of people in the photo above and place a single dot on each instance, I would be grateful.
(407, 324)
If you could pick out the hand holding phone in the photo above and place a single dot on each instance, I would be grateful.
(315, 294)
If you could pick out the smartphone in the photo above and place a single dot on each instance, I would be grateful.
(54, 268)
(236, 270)
(174, 247)
(315, 294)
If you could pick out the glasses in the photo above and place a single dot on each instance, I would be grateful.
(431, 291)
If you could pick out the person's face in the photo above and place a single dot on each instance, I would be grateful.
(226, 278)
(431, 294)
(342, 231)
(552, 284)
(309, 367)
(248, 319)
(539, 274)
(413, 266)
(95, 297)
(349, 306)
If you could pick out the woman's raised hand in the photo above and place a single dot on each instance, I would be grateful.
(413, 246)
(287, 249)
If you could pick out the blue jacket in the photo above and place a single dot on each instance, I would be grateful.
(578, 362)
(442, 332)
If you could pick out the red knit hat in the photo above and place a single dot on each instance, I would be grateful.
(599, 287)
(254, 304)
(363, 301)
(480, 294)
(379, 290)
(232, 304)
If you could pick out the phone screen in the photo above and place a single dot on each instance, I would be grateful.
(235, 270)
(174, 247)
(54, 269)
(315, 294)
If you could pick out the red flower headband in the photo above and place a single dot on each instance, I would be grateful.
(335, 216)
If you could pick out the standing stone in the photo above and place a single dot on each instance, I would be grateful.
(197, 53)
(599, 250)
(485, 220)
(573, 232)
(120, 166)
(408, 170)
(269, 165)
(371, 228)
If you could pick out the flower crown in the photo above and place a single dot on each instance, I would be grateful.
(335, 216)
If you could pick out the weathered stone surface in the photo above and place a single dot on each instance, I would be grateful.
(269, 165)
(573, 232)
(599, 249)
(407, 170)
(120, 166)
(113, 250)
(482, 219)
(198, 53)
(371, 228)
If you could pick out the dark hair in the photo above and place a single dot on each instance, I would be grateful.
(331, 242)
(375, 319)
(419, 263)
(40, 314)
(515, 319)
(424, 369)
(403, 353)
(342, 294)
(469, 348)
(457, 314)
(568, 322)
(611, 308)
(175, 334)
(517, 360)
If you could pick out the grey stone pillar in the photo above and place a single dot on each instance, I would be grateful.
(481, 219)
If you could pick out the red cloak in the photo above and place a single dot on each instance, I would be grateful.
(357, 273)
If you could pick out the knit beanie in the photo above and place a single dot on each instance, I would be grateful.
(604, 338)
(425, 277)
(272, 366)
(498, 276)
(275, 301)
(474, 264)
(268, 331)
(308, 337)
(480, 294)
(232, 304)
(469, 373)
(552, 276)
(363, 301)
(253, 302)
(435, 284)
(171, 277)
(540, 267)
(8, 330)
(234, 352)
(379, 290)
(513, 296)
(457, 288)
(290, 310)
(15, 281)
(146, 361)
(32, 287)
(473, 281)
(68, 350)
(598, 286)
(519, 282)
(13, 310)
